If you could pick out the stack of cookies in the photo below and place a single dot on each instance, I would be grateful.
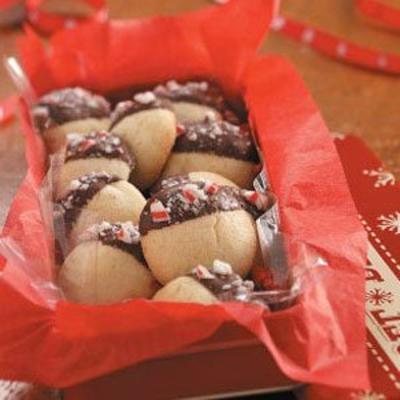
(153, 196)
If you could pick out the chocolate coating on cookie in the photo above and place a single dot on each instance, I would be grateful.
(203, 93)
(81, 191)
(222, 282)
(140, 102)
(96, 145)
(124, 236)
(216, 137)
(70, 104)
(187, 201)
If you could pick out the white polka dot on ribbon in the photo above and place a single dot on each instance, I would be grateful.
(308, 35)
(341, 49)
(278, 23)
(382, 61)
(70, 24)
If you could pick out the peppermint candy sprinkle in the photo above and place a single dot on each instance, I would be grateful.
(125, 232)
(202, 272)
(210, 187)
(185, 89)
(260, 200)
(158, 212)
(221, 268)
(192, 192)
(180, 129)
(96, 145)
(145, 97)
(223, 282)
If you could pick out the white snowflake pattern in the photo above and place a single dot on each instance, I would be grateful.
(378, 297)
(390, 222)
(367, 395)
(383, 178)
(338, 135)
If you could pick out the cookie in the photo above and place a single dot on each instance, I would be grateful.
(148, 127)
(198, 222)
(94, 198)
(107, 266)
(194, 101)
(207, 286)
(95, 152)
(218, 147)
(64, 111)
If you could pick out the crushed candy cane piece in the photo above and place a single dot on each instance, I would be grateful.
(158, 212)
(202, 272)
(192, 192)
(260, 200)
(145, 97)
(210, 187)
(180, 130)
(221, 268)
(86, 144)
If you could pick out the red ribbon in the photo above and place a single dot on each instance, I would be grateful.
(336, 47)
(379, 12)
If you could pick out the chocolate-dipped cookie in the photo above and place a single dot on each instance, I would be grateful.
(207, 286)
(107, 266)
(215, 146)
(198, 222)
(95, 152)
(170, 181)
(148, 126)
(194, 101)
(64, 111)
(94, 198)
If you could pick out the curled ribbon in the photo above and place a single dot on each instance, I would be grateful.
(336, 47)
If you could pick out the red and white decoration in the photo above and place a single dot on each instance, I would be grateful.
(382, 177)
(159, 212)
(377, 197)
(336, 47)
(258, 199)
(380, 12)
(210, 187)
(191, 193)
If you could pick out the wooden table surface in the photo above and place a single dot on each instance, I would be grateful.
(351, 99)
